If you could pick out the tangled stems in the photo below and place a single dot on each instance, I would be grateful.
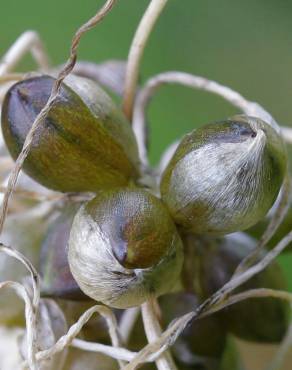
(153, 331)
(31, 305)
(195, 82)
(216, 302)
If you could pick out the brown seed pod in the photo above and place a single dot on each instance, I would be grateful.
(85, 143)
(124, 247)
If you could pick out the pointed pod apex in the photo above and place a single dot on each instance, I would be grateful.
(224, 176)
(85, 143)
(123, 247)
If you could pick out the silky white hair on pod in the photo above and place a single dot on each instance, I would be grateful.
(225, 176)
(95, 236)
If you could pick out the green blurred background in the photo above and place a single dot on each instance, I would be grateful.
(246, 45)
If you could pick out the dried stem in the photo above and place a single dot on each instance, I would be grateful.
(30, 317)
(11, 77)
(136, 52)
(75, 329)
(113, 352)
(31, 307)
(33, 194)
(153, 331)
(127, 322)
(27, 41)
(215, 303)
(53, 96)
(33, 272)
(195, 82)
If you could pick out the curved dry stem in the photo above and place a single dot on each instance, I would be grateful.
(29, 40)
(113, 352)
(153, 331)
(196, 82)
(276, 220)
(136, 52)
(33, 272)
(68, 67)
(31, 307)
(215, 303)
(127, 322)
(30, 317)
(75, 329)
(11, 77)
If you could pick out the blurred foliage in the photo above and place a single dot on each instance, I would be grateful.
(243, 44)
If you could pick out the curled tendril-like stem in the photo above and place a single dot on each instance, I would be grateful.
(196, 82)
(136, 52)
(216, 302)
(153, 331)
(31, 305)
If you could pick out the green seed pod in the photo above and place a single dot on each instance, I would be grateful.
(85, 142)
(225, 176)
(204, 337)
(123, 247)
(57, 280)
(256, 319)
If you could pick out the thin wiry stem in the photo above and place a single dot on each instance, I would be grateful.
(30, 317)
(127, 322)
(153, 331)
(68, 67)
(136, 52)
(31, 307)
(75, 329)
(113, 352)
(216, 302)
(195, 82)
(29, 40)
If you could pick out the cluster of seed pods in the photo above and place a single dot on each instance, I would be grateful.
(129, 243)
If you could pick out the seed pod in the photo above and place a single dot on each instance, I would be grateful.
(255, 319)
(85, 142)
(225, 176)
(57, 280)
(124, 247)
(204, 337)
